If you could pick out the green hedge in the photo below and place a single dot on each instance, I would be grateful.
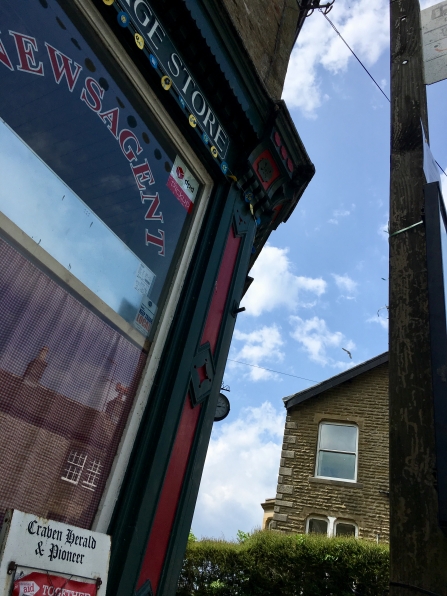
(271, 563)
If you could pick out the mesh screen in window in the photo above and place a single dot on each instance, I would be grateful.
(67, 383)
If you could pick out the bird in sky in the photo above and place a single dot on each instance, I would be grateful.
(347, 352)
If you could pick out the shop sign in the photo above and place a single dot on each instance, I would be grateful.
(169, 60)
(36, 543)
(434, 42)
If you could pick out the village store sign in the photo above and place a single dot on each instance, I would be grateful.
(34, 552)
(165, 57)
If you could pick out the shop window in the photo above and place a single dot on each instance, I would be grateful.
(317, 525)
(75, 465)
(345, 529)
(337, 451)
(92, 475)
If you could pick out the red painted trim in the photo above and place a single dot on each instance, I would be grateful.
(164, 518)
(221, 289)
(170, 494)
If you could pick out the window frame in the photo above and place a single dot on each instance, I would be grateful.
(356, 453)
(96, 23)
(319, 518)
(346, 522)
(45, 262)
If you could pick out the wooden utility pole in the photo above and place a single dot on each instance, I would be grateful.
(418, 545)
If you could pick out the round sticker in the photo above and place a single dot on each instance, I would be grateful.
(258, 221)
(214, 152)
(192, 120)
(153, 60)
(166, 83)
(248, 196)
(224, 167)
(205, 138)
(123, 18)
(108, 2)
(181, 101)
(139, 41)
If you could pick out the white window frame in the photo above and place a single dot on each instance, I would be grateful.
(318, 517)
(75, 466)
(332, 523)
(356, 453)
(347, 522)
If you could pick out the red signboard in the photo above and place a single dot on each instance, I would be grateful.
(44, 584)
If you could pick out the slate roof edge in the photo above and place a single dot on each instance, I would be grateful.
(297, 398)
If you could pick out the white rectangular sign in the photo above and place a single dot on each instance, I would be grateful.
(434, 42)
(31, 541)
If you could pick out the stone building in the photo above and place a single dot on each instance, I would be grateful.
(333, 475)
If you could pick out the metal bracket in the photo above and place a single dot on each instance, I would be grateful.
(12, 566)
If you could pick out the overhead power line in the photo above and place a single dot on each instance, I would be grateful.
(364, 68)
(274, 371)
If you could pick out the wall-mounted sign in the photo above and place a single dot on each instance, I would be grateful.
(34, 551)
(434, 42)
(176, 74)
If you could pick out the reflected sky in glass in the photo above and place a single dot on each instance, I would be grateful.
(336, 465)
(338, 437)
(44, 207)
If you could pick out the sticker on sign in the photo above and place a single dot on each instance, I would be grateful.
(182, 184)
(44, 584)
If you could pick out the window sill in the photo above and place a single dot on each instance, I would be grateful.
(314, 480)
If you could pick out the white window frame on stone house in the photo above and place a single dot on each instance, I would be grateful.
(347, 522)
(332, 523)
(321, 448)
(318, 518)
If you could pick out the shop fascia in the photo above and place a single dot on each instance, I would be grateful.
(148, 25)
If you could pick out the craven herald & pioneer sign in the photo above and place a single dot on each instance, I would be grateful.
(143, 165)
(31, 546)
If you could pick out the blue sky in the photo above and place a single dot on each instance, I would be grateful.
(319, 283)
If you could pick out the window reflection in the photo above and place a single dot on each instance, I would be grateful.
(45, 208)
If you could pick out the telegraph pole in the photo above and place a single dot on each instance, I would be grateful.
(418, 546)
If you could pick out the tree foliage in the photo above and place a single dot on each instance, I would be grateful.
(268, 563)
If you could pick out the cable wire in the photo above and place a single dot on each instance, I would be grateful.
(274, 371)
(364, 68)
(355, 56)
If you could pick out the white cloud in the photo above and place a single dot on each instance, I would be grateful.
(346, 284)
(380, 320)
(316, 339)
(275, 285)
(338, 214)
(261, 346)
(365, 27)
(241, 471)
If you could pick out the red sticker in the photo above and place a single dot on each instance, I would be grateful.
(44, 584)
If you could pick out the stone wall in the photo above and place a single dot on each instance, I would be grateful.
(364, 402)
(267, 29)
